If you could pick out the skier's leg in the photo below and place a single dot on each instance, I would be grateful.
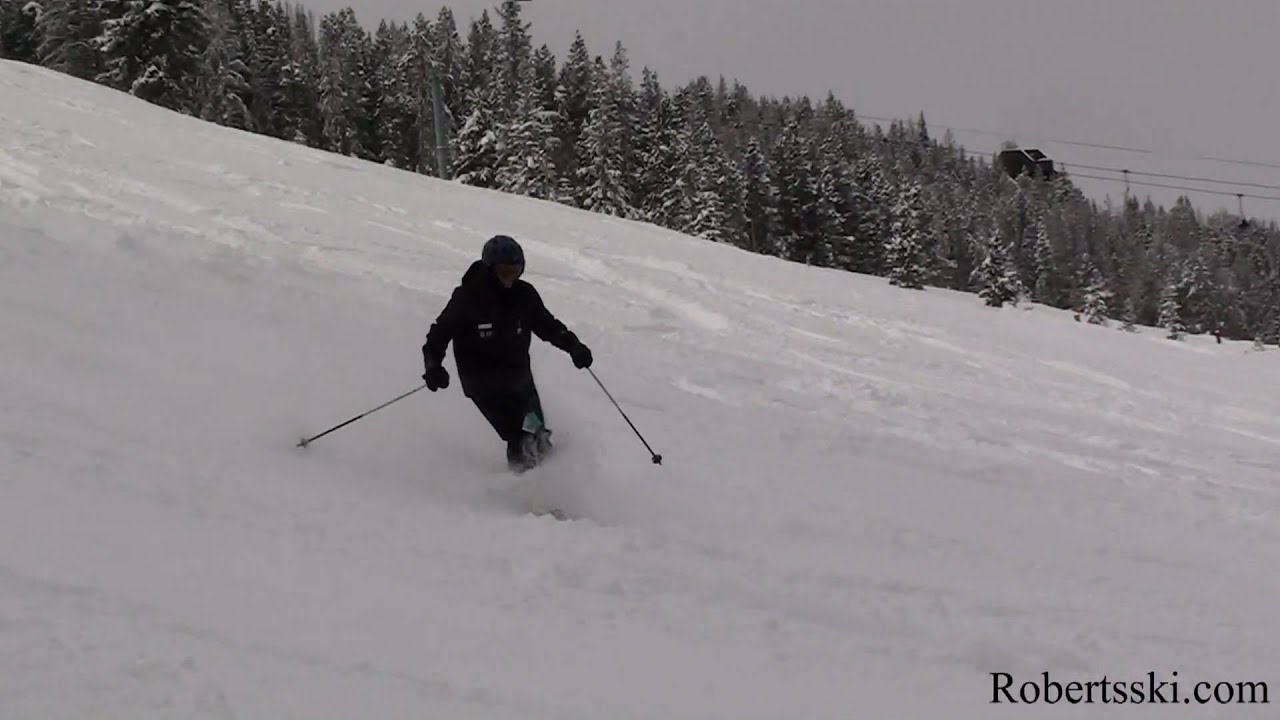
(502, 412)
(532, 403)
(525, 394)
(497, 399)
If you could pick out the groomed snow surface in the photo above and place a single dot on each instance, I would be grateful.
(871, 499)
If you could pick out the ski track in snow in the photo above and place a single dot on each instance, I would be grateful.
(871, 499)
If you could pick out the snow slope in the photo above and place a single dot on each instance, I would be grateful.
(871, 499)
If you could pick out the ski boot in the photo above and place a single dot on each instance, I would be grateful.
(541, 445)
(522, 454)
(542, 440)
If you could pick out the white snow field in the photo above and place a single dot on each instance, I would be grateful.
(871, 499)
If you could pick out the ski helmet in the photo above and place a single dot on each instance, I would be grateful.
(502, 250)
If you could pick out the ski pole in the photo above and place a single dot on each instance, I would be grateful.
(657, 459)
(307, 441)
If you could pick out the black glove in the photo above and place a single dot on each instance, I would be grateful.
(436, 377)
(581, 355)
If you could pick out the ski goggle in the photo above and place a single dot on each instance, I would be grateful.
(508, 273)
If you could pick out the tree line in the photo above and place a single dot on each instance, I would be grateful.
(798, 178)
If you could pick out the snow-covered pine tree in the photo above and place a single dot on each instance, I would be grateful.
(1171, 313)
(1042, 263)
(824, 222)
(1129, 318)
(266, 54)
(700, 98)
(709, 168)
(67, 30)
(760, 199)
(395, 125)
(449, 64)
(836, 210)
(604, 151)
(1273, 331)
(797, 184)
(224, 75)
(528, 167)
(368, 95)
(573, 97)
(872, 206)
(654, 149)
(414, 98)
(673, 167)
(512, 57)
(1196, 291)
(337, 132)
(731, 186)
(479, 65)
(966, 225)
(544, 69)
(476, 151)
(20, 30)
(1268, 315)
(1096, 306)
(152, 49)
(301, 120)
(907, 255)
(1014, 214)
(345, 85)
(995, 277)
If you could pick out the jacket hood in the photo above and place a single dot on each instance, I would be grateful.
(477, 271)
(481, 276)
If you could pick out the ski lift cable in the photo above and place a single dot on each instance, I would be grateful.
(1106, 146)
(1169, 176)
(1067, 165)
(1179, 187)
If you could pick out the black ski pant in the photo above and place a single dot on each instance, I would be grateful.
(505, 400)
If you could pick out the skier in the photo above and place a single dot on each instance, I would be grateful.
(489, 319)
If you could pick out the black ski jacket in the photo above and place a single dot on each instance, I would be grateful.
(490, 327)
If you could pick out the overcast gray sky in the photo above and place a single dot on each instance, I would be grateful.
(1183, 80)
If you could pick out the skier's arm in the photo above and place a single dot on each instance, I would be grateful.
(549, 328)
(443, 330)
